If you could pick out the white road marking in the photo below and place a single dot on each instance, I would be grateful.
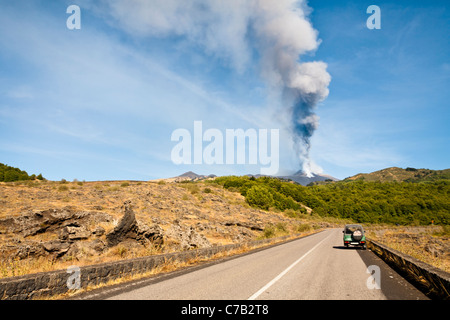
(278, 277)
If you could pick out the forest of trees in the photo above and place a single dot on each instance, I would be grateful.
(8, 174)
(404, 203)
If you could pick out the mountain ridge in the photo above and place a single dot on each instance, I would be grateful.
(299, 177)
(401, 175)
(398, 174)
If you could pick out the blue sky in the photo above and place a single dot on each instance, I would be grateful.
(101, 103)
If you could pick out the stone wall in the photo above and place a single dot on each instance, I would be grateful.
(41, 285)
(434, 282)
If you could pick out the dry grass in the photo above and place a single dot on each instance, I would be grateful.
(430, 244)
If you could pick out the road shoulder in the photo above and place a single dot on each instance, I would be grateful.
(393, 285)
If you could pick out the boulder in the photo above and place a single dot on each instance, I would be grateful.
(153, 233)
(186, 237)
(72, 233)
(56, 248)
(98, 231)
(82, 249)
(28, 249)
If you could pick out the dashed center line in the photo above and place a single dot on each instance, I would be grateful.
(278, 277)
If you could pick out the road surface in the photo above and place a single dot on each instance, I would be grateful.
(314, 267)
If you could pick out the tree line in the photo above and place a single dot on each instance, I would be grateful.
(404, 203)
(9, 174)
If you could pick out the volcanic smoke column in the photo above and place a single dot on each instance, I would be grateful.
(309, 88)
(272, 33)
(285, 34)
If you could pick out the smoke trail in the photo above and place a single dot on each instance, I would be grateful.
(309, 87)
(230, 29)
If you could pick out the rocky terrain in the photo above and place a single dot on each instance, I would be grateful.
(46, 225)
(430, 244)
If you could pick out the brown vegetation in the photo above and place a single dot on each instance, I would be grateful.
(430, 244)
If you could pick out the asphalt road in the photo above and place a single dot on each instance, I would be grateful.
(314, 267)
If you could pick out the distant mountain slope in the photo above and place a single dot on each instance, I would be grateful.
(190, 176)
(399, 174)
(299, 177)
(384, 175)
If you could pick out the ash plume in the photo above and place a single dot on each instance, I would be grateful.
(232, 30)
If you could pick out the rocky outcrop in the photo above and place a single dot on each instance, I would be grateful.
(36, 222)
(68, 225)
(246, 224)
(129, 228)
(126, 228)
(71, 227)
(78, 234)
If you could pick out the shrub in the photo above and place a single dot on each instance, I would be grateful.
(268, 232)
(259, 196)
(303, 227)
(193, 188)
(63, 188)
(282, 228)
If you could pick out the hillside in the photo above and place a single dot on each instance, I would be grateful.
(399, 174)
(48, 224)
(361, 201)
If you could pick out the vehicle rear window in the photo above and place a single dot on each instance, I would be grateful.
(351, 229)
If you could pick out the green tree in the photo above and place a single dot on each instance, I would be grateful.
(259, 196)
